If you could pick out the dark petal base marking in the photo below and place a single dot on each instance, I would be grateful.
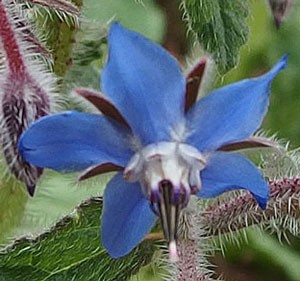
(102, 104)
(252, 142)
(193, 81)
(98, 170)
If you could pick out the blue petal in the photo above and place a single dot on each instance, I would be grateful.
(228, 171)
(73, 141)
(231, 113)
(126, 217)
(145, 83)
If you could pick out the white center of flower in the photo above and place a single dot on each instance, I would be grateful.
(169, 172)
(175, 163)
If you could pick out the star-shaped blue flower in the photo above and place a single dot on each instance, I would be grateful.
(166, 153)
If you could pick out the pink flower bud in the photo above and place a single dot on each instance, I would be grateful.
(25, 88)
(280, 9)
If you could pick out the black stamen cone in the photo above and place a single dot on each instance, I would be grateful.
(168, 211)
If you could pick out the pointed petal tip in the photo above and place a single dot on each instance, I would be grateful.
(280, 65)
(247, 102)
(112, 253)
(149, 74)
(262, 201)
(283, 60)
(262, 195)
(115, 24)
(116, 28)
(273, 72)
(229, 171)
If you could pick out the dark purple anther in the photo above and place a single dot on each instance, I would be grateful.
(172, 200)
(184, 197)
(154, 199)
(168, 210)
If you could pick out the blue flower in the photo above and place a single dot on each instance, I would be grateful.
(166, 153)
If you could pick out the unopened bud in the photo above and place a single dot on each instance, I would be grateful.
(24, 91)
(280, 9)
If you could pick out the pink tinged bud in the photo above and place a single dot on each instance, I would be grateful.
(280, 9)
(24, 96)
(35, 45)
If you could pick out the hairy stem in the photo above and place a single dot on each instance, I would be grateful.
(243, 211)
(175, 36)
(192, 248)
(9, 42)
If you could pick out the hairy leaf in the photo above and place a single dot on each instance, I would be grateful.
(220, 27)
(56, 196)
(13, 200)
(71, 250)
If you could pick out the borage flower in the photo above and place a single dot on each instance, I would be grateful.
(166, 154)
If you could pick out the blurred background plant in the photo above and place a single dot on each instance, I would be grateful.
(78, 45)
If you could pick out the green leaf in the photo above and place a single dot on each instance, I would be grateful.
(13, 200)
(143, 16)
(220, 27)
(56, 196)
(71, 250)
(281, 256)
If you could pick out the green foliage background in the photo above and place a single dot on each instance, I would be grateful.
(57, 195)
(265, 46)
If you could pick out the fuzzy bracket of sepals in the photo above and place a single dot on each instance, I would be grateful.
(71, 250)
(220, 27)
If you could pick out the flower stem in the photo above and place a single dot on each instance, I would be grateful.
(243, 211)
(192, 250)
(9, 43)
